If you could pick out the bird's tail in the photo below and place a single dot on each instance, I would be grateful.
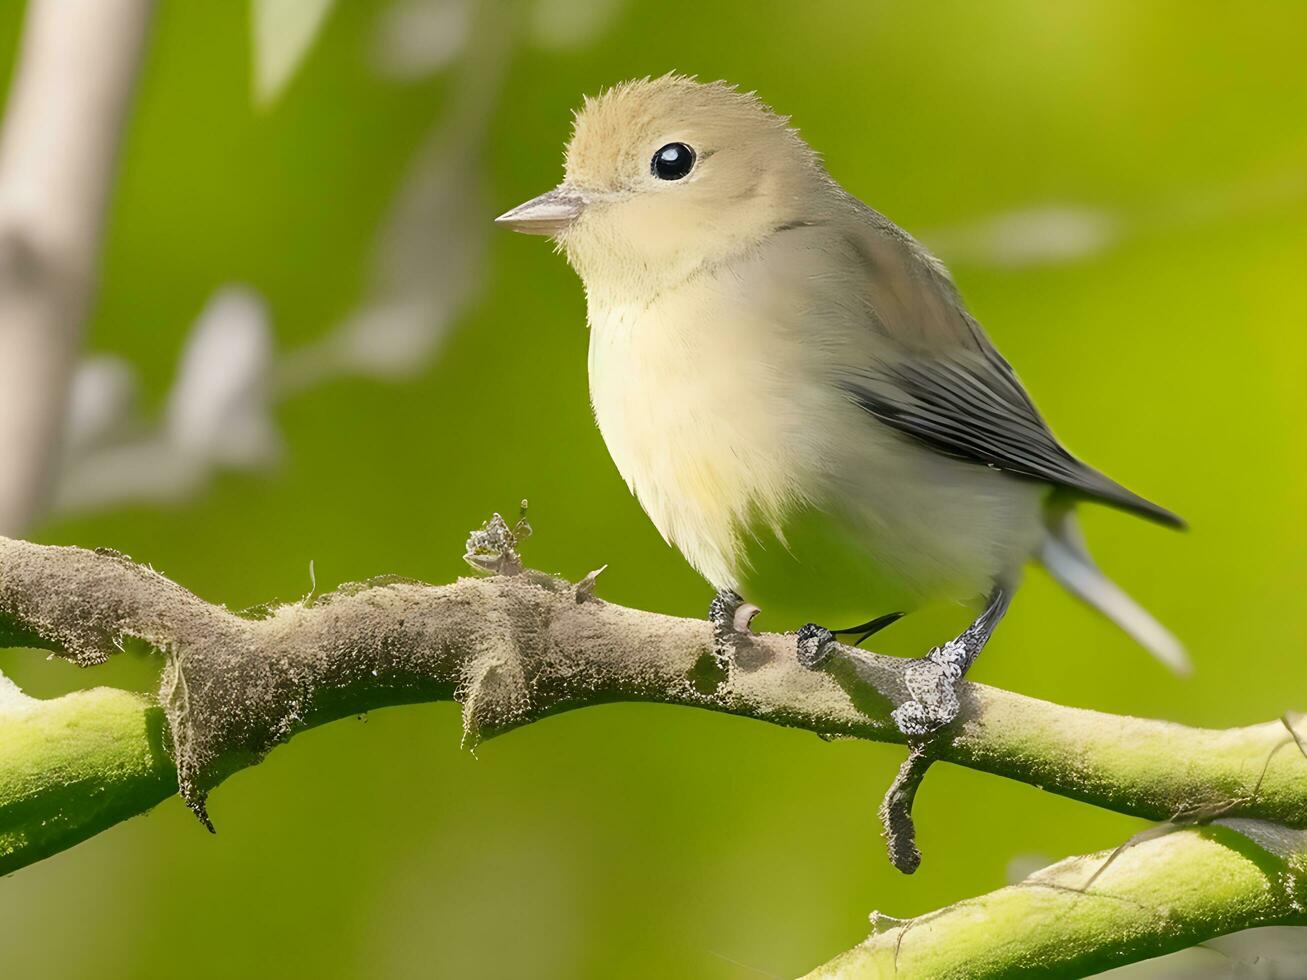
(1064, 554)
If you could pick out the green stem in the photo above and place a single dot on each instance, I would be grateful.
(74, 766)
(1154, 897)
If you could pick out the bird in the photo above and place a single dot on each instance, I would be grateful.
(795, 391)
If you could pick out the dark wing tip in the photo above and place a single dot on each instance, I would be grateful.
(1161, 515)
(1112, 493)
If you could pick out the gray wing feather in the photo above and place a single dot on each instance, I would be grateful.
(945, 385)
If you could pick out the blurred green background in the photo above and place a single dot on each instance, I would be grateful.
(1164, 141)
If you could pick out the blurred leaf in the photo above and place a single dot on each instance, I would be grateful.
(571, 23)
(284, 30)
(219, 406)
(1285, 843)
(101, 404)
(418, 37)
(1030, 236)
(1270, 953)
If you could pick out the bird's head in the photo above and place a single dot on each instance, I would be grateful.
(667, 175)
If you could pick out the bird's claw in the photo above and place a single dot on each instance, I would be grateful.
(731, 618)
(814, 645)
(742, 621)
(932, 684)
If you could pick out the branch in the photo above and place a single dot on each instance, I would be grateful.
(61, 131)
(74, 766)
(512, 648)
(1088, 914)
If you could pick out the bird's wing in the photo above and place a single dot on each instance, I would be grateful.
(936, 377)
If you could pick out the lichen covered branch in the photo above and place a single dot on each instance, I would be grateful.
(511, 648)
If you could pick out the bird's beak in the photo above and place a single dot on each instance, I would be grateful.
(548, 214)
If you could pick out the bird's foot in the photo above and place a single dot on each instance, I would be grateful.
(930, 681)
(932, 687)
(814, 644)
(731, 619)
(932, 703)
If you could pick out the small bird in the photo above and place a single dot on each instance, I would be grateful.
(794, 390)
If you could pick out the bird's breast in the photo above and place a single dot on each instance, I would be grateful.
(701, 409)
(720, 405)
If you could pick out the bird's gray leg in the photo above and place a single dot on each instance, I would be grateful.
(932, 683)
(731, 617)
(932, 680)
(932, 703)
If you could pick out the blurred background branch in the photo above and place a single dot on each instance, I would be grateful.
(427, 265)
(62, 129)
(74, 434)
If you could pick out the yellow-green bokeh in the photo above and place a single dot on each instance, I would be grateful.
(634, 840)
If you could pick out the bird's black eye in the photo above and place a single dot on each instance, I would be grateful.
(672, 162)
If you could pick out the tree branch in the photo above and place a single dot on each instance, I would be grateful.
(512, 648)
(74, 766)
(61, 132)
(1088, 914)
